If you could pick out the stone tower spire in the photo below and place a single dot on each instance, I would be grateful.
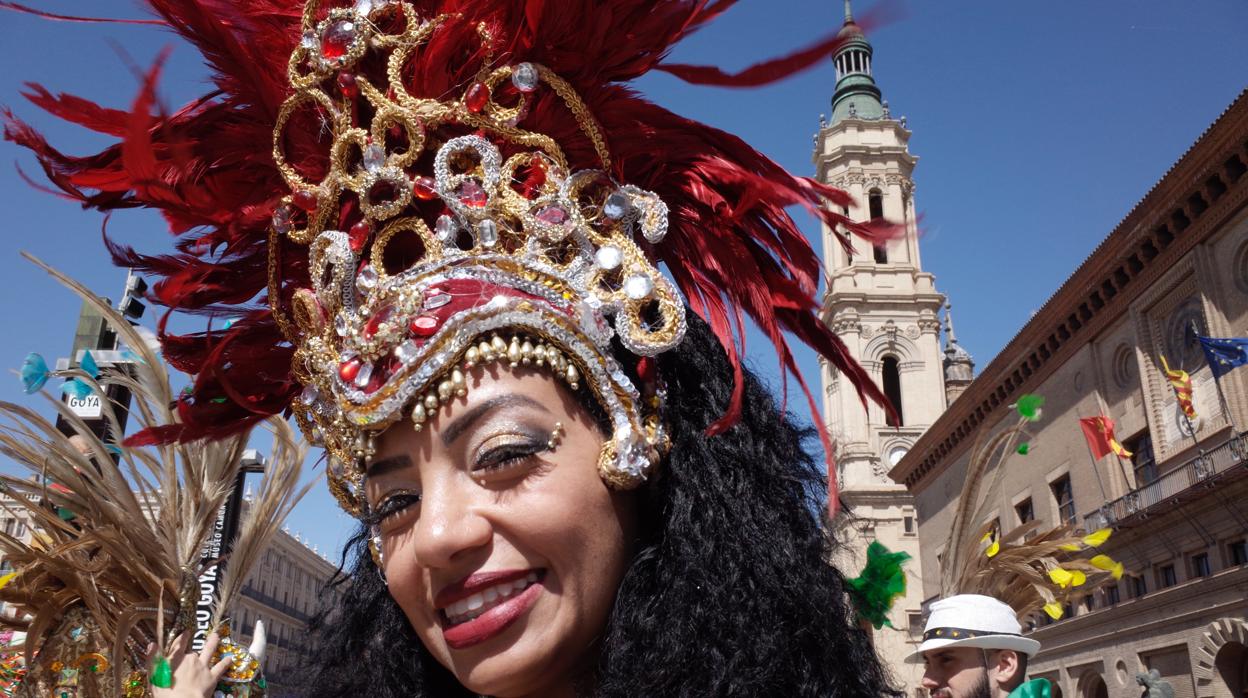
(886, 310)
(856, 93)
(959, 367)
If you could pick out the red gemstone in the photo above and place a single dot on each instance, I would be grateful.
(377, 378)
(424, 188)
(645, 370)
(349, 369)
(423, 325)
(348, 86)
(537, 171)
(471, 194)
(383, 191)
(553, 215)
(374, 322)
(307, 200)
(337, 39)
(358, 236)
(478, 96)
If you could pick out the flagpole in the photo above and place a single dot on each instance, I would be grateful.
(1201, 462)
(1217, 384)
(1105, 519)
(1126, 481)
(1095, 468)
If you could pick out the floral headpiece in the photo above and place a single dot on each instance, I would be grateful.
(451, 183)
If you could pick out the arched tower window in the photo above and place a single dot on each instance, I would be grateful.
(875, 204)
(892, 389)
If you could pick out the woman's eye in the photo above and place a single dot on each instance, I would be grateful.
(393, 506)
(506, 458)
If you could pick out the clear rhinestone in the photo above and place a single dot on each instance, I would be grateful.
(436, 301)
(367, 279)
(341, 326)
(407, 352)
(281, 219)
(336, 468)
(524, 77)
(374, 157)
(309, 40)
(444, 228)
(487, 233)
(365, 374)
(609, 257)
(638, 287)
(364, 7)
(617, 206)
(309, 395)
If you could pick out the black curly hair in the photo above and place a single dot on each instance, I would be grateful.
(729, 593)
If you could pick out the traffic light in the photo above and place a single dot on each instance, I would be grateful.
(130, 305)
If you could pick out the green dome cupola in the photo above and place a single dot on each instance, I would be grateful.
(856, 96)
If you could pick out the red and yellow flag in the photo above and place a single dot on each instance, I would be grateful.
(1182, 384)
(1099, 431)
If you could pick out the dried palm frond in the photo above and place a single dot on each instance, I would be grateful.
(118, 532)
(1030, 573)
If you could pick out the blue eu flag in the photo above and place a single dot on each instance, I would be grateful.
(1224, 354)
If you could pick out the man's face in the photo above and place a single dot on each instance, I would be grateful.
(956, 672)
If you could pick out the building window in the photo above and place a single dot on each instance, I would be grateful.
(1166, 577)
(875, 204)
(1142, 460)
(1111, 595)
(1025, 511)
(1137, 586)
(914, 619)
(1065, 498)
(1200, 565)
(881, 253)
(1237, 552)
(908, 524)
(892, 389)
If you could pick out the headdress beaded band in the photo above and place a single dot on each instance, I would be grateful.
(452, 184)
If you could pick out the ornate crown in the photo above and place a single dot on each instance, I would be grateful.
(525, 261)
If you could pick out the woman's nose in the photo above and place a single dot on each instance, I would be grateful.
(450, 523)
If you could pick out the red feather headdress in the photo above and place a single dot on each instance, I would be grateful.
(731, 247)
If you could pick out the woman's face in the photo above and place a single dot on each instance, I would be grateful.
(505, 554)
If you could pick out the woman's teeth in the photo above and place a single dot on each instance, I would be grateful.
(466, 609)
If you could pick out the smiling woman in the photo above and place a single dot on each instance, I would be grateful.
(566, 482)
(707, 580)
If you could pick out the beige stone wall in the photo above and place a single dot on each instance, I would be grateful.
(1181, 256)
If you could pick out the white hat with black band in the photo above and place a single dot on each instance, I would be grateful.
(972, 620)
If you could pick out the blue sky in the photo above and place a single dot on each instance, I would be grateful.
(1038, 126)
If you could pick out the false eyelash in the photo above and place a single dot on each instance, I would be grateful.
(386, 508)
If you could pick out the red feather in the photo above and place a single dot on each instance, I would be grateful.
(732, 247)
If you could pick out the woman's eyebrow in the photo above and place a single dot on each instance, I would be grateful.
(388, 464)
(465, 421)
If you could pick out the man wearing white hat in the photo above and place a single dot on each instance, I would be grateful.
(973, 647)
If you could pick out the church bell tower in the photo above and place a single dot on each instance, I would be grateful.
(886, 310)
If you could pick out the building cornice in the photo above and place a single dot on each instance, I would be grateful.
(1194, 199)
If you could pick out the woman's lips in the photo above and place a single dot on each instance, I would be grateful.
(493, 621)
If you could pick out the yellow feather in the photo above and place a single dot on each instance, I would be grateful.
(1054, 609)
(1097, 538)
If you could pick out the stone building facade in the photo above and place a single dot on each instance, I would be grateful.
(1175, 266)
(886, 310)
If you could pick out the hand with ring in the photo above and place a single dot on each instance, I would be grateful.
(193, 676)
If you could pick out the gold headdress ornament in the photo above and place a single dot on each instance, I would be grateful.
(117, 532)
(531, 263)
(1027, 569)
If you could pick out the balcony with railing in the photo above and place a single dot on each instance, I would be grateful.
(1211, 468)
